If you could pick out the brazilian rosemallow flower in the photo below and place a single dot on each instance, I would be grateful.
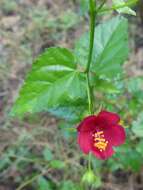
(98, 134)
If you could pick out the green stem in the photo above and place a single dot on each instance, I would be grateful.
(92, 6)
(89, 95)
(28, 182)
(89, 161)
(93, 13)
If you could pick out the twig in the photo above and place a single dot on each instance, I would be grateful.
(31, 180)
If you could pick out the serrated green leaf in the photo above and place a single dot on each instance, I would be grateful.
(50, 83)
(68, 90)
(110, 47)
(126, 9)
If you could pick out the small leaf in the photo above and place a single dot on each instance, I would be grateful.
(4, 162)
(47, 154)
(125, 9)
(57, 164)
(43, 184)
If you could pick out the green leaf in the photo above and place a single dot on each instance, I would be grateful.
(53, 82)
(125, 9)
(57, 164)
(71, 113)
(43, 184)
(137, 126)
(47, 154)
(4, 162)
(110, 47)
(133, 162)
(105, 86)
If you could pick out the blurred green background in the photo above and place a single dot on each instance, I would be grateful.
(41, 153)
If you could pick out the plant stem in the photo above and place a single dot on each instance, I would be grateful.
(28, 182)
(89, 94)
(89, 161)
(93, 12)
(31, 180)
(92, 6)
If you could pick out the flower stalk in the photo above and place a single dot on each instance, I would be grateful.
(93, 13)
(92, 5)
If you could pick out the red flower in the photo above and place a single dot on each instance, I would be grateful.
(98, 134)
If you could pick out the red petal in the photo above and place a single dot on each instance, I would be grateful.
(88, 124)
(107, 118)
(84, 141)
(104, 154)
(115, 135)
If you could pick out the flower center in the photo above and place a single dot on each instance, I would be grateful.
(99, 141)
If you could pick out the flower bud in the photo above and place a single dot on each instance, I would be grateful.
(89, 177)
